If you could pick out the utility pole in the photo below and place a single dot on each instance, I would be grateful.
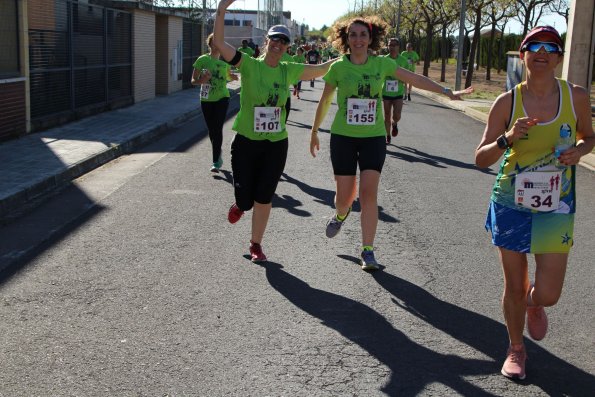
(203, 28)
(461, 44)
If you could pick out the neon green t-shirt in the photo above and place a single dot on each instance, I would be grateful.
(412, 59)
(355, 82)
(264, 86)
(402, 63)
(299, 58)
(246, 50)
(216, 88)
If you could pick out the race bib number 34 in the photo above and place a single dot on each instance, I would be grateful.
(539, 191)
(361, 111)
(267, 119)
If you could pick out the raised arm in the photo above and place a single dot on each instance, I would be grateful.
(313, 71)
(323, 105)
(227, 50)
(419, 81)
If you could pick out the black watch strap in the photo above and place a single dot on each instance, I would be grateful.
(502, 142)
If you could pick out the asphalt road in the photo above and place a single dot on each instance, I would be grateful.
(132, 283)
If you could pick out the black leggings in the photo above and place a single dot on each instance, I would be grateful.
(257, 167)
(287, 108)
(215, 113)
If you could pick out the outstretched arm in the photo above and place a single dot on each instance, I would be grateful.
(419, 81)
(227, 51)
(323, 105)
(313, 71)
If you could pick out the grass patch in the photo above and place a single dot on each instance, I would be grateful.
(482, 109)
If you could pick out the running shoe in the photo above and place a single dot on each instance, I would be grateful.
(217, 165)
(234, 214)
(388, 139)
(256, 254)
(368, 260)
(536, 322)
(514, 366)
(333, 226)
(395, 130)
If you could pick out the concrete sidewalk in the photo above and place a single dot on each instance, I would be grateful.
(39, 163)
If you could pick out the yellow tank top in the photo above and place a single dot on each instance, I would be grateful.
(536, 150)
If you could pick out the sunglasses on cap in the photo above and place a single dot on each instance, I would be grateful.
(279, 39)
(550, 48)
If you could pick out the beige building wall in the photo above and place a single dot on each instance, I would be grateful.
(580, 43)
(168, 32)
(143, 48)
(176, 34)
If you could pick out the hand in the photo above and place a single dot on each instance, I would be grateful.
(205, 75)
(314, 144)
(224, 4)
(520, 128)
(570, 156)
(457, 95)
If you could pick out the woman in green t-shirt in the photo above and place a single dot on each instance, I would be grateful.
(212, 75)
(358, 131)
(259, 149)
(299, 57)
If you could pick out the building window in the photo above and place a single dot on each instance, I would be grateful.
(9, 39)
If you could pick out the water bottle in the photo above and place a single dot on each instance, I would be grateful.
(564, 142)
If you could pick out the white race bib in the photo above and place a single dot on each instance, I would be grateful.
(361, 111)
(204, 91)
(392, 85)
(267, 119)
(539, 191)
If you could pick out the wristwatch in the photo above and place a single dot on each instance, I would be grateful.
(502, 142)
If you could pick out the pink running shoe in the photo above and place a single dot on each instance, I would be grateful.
(234, 214)
(536, 322)
(256, 253)
(514, 366)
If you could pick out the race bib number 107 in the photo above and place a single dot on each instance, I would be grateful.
(267, 119)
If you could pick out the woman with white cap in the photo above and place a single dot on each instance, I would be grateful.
(533, 201)
(259, 149)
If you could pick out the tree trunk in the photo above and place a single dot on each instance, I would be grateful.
(490, 46)
(444, 54)
(428, 52)
(500, 48)
(474, 44)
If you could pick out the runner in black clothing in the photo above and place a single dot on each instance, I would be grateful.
(313, 58)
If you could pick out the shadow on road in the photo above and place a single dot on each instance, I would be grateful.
(417, 156)
(414, 366)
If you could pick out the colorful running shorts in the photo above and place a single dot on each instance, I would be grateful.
(530, 232)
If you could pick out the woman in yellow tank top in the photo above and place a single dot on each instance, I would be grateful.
(533, 200)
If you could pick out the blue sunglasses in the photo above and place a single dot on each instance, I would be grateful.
(550, 48)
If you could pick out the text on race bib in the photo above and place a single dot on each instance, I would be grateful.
(538, 191)
(267, 119)
(361, 111)
(204, 91)
(392, 85)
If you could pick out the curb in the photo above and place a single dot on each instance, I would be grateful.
(587, 161)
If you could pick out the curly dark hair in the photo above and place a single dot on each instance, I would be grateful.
(376, 26)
